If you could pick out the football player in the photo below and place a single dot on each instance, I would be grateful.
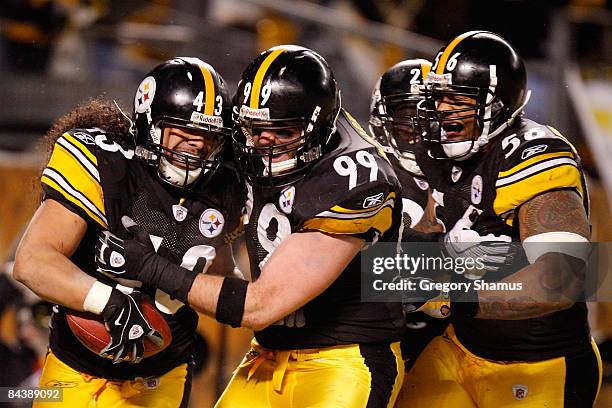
(393, 121)
(498, 177)
(166, 172)
(319, 189)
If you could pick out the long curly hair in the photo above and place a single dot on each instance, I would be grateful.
(96, 112)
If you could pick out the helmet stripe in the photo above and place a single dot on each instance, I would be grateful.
(261, 72)
(450, 48)
(425, 68)
(209, 84)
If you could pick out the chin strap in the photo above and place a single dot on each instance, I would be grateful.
(279, 167)
(177, 176)
(510, 120)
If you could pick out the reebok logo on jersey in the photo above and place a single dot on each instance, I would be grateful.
(373, 201)
(530, 151)
(85, 138)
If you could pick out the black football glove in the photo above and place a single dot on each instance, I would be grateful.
(127, 327)
(140, 262)
(110, 254)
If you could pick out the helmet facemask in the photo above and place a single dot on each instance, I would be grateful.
(475, 113)
(394, 123)
(179, 167)
(298, 145)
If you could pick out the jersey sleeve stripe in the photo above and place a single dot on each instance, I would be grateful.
(536, 168)
(378, 218)
(77, 155)
(73, 141)
(344, 213)
(381, 221)
(72, 170)
(555, 177)
(533, 160)
(55, 180)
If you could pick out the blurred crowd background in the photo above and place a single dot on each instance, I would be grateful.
(55, 54)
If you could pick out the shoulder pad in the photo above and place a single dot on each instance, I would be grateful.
(532, 161)
(72, 175)
(350, 191)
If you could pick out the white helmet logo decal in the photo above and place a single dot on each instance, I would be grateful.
(144, 95)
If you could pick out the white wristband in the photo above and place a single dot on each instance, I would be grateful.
(97, 297)
(562, 242)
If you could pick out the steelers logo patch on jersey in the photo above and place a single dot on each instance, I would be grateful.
(144, 95)
(211, 223)
(286, 200)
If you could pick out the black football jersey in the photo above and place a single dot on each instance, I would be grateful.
(414, 194)
(524, 161)
(350, 190)
(96, 177)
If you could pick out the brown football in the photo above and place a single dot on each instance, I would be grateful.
(89, 329)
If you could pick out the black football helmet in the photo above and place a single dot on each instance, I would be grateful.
(189, 94)
(283, 89)
(483, 67)
(393, 116)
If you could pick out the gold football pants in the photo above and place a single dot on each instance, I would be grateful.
(171, 390)
(341, 376)
(446, 374)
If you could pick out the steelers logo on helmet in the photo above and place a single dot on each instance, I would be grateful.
(211, 223)
(476, 89)
(144, 95)
(287, 103)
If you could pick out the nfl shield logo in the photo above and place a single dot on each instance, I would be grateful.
(180, 212)
(211, 223)
(286, 199)
(519, 391)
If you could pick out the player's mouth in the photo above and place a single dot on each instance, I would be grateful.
(186, 158)
(453, 130)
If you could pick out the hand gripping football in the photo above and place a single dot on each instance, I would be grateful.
(89, 329)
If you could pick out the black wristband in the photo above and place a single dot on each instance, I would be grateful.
(230, 305)
(175, 280)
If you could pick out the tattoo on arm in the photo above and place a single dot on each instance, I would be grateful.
(561, 210)
(553, 282)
